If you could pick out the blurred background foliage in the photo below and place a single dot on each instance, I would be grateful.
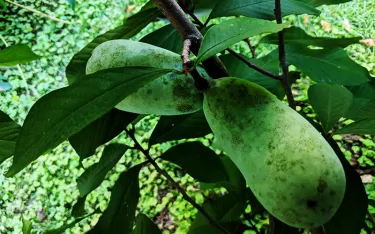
(46, 191)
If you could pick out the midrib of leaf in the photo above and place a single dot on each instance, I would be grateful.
(246, 5)
(123, 200)
(77, 110)
(328, 114)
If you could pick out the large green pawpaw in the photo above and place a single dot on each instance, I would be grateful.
(290, 167)
(171, 94)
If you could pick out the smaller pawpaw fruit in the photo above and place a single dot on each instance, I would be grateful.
(170, 94)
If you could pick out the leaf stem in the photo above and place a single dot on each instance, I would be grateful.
(284, 66)
(253, 66)
(174, 183)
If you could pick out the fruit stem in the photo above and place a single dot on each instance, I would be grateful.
(170, 9)
(200, 83)
(284, 66)
(146, 152)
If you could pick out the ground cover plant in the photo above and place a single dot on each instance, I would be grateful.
(346, 97)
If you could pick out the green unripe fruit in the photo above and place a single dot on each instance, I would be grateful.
(289, 166)
(171, 94)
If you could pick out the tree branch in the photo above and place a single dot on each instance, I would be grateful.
(284, 67)
(170, 9)
(174, 183)
(253, 66)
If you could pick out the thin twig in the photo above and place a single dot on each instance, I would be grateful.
(186, 55)
(248, 218)
(371, 219)
(271, 229)
(174, 183)
(41, 13)
(187, 30)
(284, 67)
(253, 66)
(251, 47)
(19, 68)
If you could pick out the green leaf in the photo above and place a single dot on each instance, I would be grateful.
(9, 131)
(79, 207)
(132, 26)
(297, 36)
(270, 63)
(361, 108)
(330, 102)
(221, 36)
(144, 225)
(351, 214)
(72, 3)
(226, 210)
(27, 226)
(64, 112)
(120, 213)
(100, 131)
(362, 127)
(3, 5)
(62, 229)
(179, 127)
(262, 9)
(332, 66)
(366, 90)
(197, 159)
(166, 37)
(328, 2)
(94, 175)
(16, 54)
(236, 182)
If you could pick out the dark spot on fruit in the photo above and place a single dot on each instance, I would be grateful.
(165, 82)
(322, 185)
(269, 162)
(236, 138)
(332, 192)
(179, 91)
(311, 204)
(185, 108)
(149, 91)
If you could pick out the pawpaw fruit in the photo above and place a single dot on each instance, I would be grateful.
(170, 94)
(289, 166)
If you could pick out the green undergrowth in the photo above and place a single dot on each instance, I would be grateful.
(46, 190)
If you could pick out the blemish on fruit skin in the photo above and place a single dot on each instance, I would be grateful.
(322, 185)
(149, 91)
(183, 108)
